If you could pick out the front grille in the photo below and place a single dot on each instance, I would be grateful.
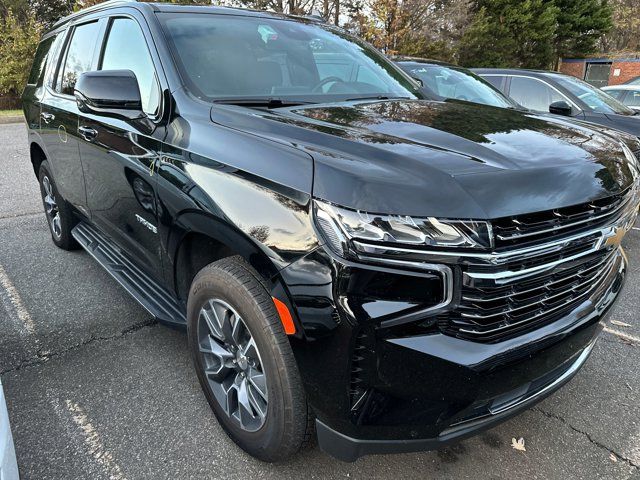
(491, 311)
(550, 224)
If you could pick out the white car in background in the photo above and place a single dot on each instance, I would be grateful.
(8, 464)
(628, 94)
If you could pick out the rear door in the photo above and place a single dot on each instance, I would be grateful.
(59, 112)
(119, 157)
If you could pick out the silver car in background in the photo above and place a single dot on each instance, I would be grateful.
(8, 464)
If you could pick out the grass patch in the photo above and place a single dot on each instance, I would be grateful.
(10, 113)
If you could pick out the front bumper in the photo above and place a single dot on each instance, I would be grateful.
(377, 390)
(349, 449)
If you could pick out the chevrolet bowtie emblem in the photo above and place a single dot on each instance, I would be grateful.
(616, 237)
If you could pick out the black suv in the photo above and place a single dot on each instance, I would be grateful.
(345, 253)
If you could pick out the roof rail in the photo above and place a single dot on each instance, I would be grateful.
(99, 6)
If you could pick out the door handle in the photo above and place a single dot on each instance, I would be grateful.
(88, 133)
(47, 117)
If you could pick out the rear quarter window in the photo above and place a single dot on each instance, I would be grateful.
(40, 61)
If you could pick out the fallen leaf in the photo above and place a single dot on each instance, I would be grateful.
(613, 458)
(620, 324)
(518, 444)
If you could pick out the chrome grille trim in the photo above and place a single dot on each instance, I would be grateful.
(510, 231)
(508, 311)
(522, 292)
(548, 312)
(595, 218)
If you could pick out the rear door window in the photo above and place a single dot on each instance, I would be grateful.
(79, 56)
(533, 94)
(497, 81)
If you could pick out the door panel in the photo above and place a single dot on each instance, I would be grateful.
(118, 156)
(59, 132)
(117, 160)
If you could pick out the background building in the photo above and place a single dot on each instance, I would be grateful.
(603, 71)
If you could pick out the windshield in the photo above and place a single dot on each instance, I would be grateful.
(458, 84)
(234, 57)
(596, 99)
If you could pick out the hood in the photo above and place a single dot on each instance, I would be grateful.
(626, 123)
(448, 159)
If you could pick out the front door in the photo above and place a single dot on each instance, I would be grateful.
(118, 157)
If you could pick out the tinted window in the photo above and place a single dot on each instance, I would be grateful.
(617, 94)
(533, 94)
(497, 81)
(39, 61)
(596, 99)
(126, 49)
(632, 99)
(457, 84)
(223, 56)
(79, 56)
(53, 59)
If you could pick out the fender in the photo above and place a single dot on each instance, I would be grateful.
(236, 242)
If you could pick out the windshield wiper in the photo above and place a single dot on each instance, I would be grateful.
(261, 102)
(376, 97)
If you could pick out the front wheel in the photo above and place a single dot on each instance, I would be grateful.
(244, 361)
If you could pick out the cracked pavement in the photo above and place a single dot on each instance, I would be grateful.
(96, 389)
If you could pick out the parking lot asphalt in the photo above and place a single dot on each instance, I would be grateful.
(95, 389)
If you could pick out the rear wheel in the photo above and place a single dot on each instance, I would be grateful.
(244, 361)
(59, 215)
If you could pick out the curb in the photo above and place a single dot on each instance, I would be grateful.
(11, 119)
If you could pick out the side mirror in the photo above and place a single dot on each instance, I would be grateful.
(560, 108)
(110, 93)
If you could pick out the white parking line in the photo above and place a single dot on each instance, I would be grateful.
(13, 302)
(625, 336)
(92, 441)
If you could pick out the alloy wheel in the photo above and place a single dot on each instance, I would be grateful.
(51, 207)
(232, 364)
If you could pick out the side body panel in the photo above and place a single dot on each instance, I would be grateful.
(248, 193)
(119, 158)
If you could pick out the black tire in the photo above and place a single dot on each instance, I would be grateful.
(61, 232)
(288, 424)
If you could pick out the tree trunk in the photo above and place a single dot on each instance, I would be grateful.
(336, 13)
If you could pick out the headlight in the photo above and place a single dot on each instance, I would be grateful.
(341, 225)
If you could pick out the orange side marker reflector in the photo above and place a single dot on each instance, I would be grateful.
(285, 317)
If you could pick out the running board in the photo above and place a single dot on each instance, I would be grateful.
(154, 298)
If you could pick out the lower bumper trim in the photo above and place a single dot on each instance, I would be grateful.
(349, 449)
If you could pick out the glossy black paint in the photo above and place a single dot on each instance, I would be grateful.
(625, 123)
(203, 181)
(109, 93)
